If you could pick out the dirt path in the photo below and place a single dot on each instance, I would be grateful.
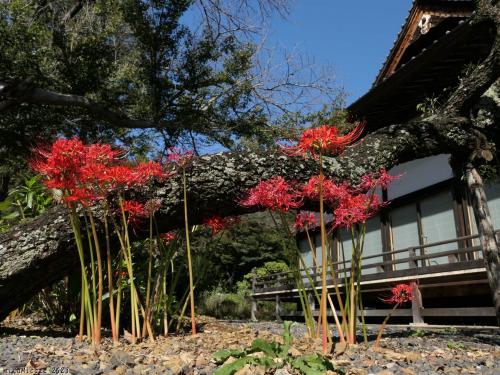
(402, 351)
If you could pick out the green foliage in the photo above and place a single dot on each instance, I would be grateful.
(275, 355)
(26, 200)
(196, 83)
(455, 345)
(418, 333)
(224, 305)
(428, 107)
(233, 253)
(244, 286)
(291, 124)
(58, 303)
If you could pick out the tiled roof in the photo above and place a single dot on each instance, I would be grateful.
(424, 66)
(435, 68)
(451, 4)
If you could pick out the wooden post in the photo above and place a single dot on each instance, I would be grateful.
(253, 309)
(412, 261)
(416, 305)
(278, 309)
(486, 231)
(312, 301)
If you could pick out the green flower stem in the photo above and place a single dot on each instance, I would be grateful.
(82, 309)
(336, 318)
(339, 300)
(165, 309)
(301, 258)
(93, 275)
(382, 327)
(150, 269)
(324, 321)
(188, 248)
(112, 317)
(128, 260)
(304, 301)
(98, 324)
(118, 304)
(313, 249)
(359, 293)
(85, 300)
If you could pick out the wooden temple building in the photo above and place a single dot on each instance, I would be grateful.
(427, 234)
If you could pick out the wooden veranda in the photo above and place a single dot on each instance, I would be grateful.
(452, 291)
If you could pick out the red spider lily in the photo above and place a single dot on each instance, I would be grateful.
(92, 174)
(355, 208)
(218, 224)
(367, 182)
(147, 171)
(400, 293)
(102, 154)
(118, 176)
(331, 191)
(324, 140)
(134, 208)
(136, 212)
(176, 156)
(60, 163)
(82, 196)
(305, 220)
(274, 194)
(168, 237)
(383, 180)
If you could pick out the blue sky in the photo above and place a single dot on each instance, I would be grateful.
(353, 36)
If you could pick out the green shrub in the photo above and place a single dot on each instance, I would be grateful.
(224, 305)
(244, 287)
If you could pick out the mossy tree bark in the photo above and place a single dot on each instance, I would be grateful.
(487, 237)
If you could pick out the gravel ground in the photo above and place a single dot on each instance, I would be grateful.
(403, 351)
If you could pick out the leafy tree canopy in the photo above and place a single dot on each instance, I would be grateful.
(145, 73)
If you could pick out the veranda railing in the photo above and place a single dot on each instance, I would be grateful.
(418, 258)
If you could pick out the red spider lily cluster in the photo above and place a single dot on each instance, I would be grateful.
(355, 208)
(179, 157)
(100, 174)
(217, 223)
(324, 140)
(275, 194)
(383, 180)
(305, 220)
(401, 293)
(88, 173)
(349, 204)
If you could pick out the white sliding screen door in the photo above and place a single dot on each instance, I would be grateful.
(305, 251)
(493, 195)
(344, 254)
(372, 246)
(404, 232)
(438, 224)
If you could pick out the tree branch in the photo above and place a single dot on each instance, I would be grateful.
(25, 92)
(74, 10)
